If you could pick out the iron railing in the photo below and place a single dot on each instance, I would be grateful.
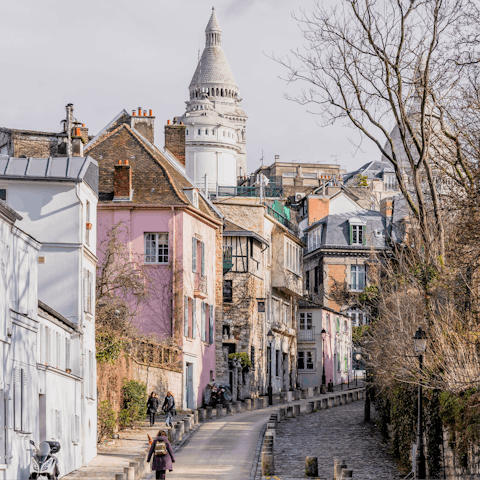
(250, 191)
(306, 335)
(283, 220)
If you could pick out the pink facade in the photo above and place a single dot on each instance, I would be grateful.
(194, 296)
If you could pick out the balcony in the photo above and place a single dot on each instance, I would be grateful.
(200, 288)
(306, 335)
(293, 227)
(227, 259)
(250, 191)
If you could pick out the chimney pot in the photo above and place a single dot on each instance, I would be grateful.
(134, 113)
(126, 161)
(83, 125)
(119, 162)
(151, 113)
(181, 123)
(144, 113)
(139, 111)
(169, 122)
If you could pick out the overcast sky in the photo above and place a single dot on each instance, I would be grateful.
(106, 55)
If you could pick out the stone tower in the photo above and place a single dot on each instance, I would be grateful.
(215, 134)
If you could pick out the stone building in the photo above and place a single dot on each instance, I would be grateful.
(215, 124)
(261, 286)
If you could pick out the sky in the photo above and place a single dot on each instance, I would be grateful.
(107, 55)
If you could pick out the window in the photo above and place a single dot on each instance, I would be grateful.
(307, 281)
(3, 194)
(88, 291)
(199, 132)
(91, 376)
(277, 363)
(67, 354)
(211, 317)
(306, 360)
(228, 291)
(190, 317)
(305, 321)
(87, 227)
(357, 232)
(358, 316)
(75, 429)
(194, 254)
(327, 325)
(346, 364)
(57, 350)
(185, 319)
(316, 279)
(338, 363)
(20, 406)
(187, 133)
(156, 248)
(203, 321)
(292, 255)
(357, 277)
(206, 132)
(194, 318)
(48, 345)
(252, 357)
(314, 238)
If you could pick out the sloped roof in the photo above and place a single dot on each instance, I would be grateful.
(234, 230)
(213, 25)
(163, 184)
(9, 212)
(58, 169)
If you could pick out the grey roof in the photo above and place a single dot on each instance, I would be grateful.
(234, 230)
(371, 170)
(336, 230)
(213, 25)
(9, 212)
(60, 169)
(49, 312)
(306, 303)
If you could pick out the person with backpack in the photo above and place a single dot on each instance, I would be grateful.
(162, 452)
(152, 407)
(169, 408)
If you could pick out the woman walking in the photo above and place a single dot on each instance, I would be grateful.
(152, 407)
(163, 458)
(169, 408)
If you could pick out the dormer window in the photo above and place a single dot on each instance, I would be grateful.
(192, 195)
(357, 231)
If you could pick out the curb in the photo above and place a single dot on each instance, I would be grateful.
(256, 459)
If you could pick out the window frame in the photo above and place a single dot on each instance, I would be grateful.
(156, 254)
(306, 353)
(228, 299)
(358, 272)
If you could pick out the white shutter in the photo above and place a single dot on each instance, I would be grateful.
(57, 349)
(92, 291)
(85, 288)
(77, 428)
(42, 345)
(72, 428)
(24, 397)
(59, 424)
(48, 345)
(90, 368)
(17, 398)
(67, 354)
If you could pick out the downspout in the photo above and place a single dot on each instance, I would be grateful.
(173, 271)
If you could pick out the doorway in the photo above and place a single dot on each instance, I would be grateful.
(285, 375)
(189, 385)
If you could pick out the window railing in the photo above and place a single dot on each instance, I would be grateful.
(200, 283)
(250, 191)
(283, 220)
(306, 335)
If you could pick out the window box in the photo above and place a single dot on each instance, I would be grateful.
(89, 226)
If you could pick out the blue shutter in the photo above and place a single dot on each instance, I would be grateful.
(351, 234)
(210, 339)
(194, 254)
(364, 231)
(203, 316)
(194, 318)
(203, 258)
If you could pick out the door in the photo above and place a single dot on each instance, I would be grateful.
(285, 373)
(189, 385)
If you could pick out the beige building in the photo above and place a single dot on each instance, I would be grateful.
(262, 285)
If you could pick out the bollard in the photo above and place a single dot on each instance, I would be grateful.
(238, 407)
(289, 397)
(268, 465)
(265, 402)
(229, 409)
(186, 423)
(361, 394)
(311, 466)
(171, 435)
(324, 403)
(135, 466)
(195, 417)
(349, 397)
(296, 409)
(310, 392)
(201, 415)
(141, 465)
(248, 404)
(338, 469)
(316, 391)
(336, 462)
(338, 400)
(182, 426)
(219, 409)
(119, 476)
(178, 433)
(304, 393)
(343, 399)
(347, 473)
(355, 396)
(309, 407)
(318, 404)
(271, 428)
(297, 394)
(283, 398)
(290, 413)
(129, 473)
(282, 414)
(209, 413)
(323, 389)
(331, 402)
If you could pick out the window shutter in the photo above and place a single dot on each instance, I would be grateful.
(77, 428)
(17, 398)
(85, 288)
(48, 345)
(24, 401)
(42, 345)
(67, 354)
(210, 339)
(364, 237)
(194, 319)
(203, 258)
(90, 369)
(72, 428)
(194, 254)
(351, 234)
(203, 315)
(185, 320)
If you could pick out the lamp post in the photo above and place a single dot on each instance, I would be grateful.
(324, 378)
(420, 339)
(270, 337)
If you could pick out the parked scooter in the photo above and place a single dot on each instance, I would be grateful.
(44, 464)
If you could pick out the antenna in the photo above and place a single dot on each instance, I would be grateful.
(335, 157)
(261, 159)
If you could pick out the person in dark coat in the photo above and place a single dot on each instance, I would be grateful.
(169, 408)
(152, 407)
(161, 464)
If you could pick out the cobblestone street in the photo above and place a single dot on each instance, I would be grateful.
(338, 432)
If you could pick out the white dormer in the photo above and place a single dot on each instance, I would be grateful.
(192, 195)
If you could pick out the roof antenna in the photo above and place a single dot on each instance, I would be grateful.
(262, 157)
(335, 157)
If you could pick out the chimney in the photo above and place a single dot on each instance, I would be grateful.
(77, 147)
(386, 206)
(277, 158)
(68, 128)
(144, 124)
(175, 140)
(122, 182)
(318, 208)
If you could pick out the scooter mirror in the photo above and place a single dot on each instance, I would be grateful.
(32, 442)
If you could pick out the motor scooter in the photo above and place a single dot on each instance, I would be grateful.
(44, 464)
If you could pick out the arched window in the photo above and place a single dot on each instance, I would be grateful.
(217, 92)
(206, 131)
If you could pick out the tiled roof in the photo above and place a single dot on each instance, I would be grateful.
(213, 67)
(213, 25)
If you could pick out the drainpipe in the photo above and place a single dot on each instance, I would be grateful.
(173, 271)
(206, 185)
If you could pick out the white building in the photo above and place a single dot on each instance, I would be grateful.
(215, 135)
(57, 200)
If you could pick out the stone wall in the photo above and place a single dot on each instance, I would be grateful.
(160, 380)
(453, 469)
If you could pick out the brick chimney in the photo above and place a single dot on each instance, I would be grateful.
(122, 182)
(143, 122)
(318, 208)
(175, 140)
(386, 206)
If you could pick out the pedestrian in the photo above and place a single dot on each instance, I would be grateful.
(169, 408)
(152, 407)
(163, 462)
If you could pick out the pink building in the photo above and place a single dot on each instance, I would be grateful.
(312, 350)
(174, 231)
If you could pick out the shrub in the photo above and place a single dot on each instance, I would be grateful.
(242, 357)
(134, 402)
(107, 420)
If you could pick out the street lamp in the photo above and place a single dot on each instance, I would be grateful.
(420, 340)
(270, 337)
(324, 378)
